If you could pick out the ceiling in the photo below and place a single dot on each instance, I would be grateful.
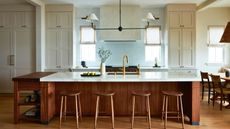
(142, 3)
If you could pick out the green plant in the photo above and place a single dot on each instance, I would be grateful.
(104, 54)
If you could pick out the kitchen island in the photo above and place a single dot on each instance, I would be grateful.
(154, 82)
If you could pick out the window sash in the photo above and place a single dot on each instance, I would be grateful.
(88, 52)
(153, 35)
(87, 35)
(215, 54)
(153, 52)
(214, 34)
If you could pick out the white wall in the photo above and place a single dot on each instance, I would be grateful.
(211, 16)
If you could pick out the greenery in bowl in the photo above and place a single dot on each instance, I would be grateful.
(104, 54)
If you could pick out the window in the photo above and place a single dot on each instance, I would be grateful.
(87, 44)
(215, 49)
(153, 44)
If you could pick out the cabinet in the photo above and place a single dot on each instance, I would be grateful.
(59, 38)
(17, 51)
(181, 19)
(181, 35)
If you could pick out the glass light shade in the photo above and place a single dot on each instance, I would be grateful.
(92, 17)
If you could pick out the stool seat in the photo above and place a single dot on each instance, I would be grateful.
(105, 93)
(64, 93)
(172, 93)
(141, 93)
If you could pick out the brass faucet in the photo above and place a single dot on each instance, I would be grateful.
(125, 60)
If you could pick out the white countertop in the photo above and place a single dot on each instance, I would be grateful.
(143, 77)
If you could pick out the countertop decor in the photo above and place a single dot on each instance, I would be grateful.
(104, 55)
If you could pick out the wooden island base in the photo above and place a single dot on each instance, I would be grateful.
(50, 99)
(122, 98)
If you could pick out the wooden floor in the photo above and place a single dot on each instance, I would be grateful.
(211, 118)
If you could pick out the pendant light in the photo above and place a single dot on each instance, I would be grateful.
(226, 35)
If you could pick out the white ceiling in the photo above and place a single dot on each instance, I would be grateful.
(142, 3)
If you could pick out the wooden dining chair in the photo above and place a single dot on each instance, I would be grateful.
(219, 89)
(205, 83)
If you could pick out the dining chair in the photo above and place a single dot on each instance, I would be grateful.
(219, 89)
(205, 83)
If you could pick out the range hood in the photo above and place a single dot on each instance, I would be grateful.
(226, 36)
(109, 18)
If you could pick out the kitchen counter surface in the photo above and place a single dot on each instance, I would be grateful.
(143, 77)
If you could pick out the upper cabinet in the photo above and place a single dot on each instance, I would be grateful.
(5, 19)
(24, 20)
(179, 19)
(181, 35)
(59, 19)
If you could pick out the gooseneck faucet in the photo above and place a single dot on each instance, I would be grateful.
(125, 60)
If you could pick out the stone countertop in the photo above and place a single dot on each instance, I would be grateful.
(143, 77)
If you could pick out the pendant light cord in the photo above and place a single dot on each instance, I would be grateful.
(120, 13)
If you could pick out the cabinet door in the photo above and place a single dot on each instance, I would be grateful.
(174, 47)
(187, 19)
(51, 48)
(174, 19)
(52, 20)
(24, 19)
(187, 47)
(24, 48)
(65, 19)
(65, 48)
(5, 67)
(5, 20)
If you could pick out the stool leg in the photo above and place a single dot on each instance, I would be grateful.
(65, 106)
(149, 115)
(163, 108)
(76, 102)
(133, 112)
(97, 110)
(182, 114)
(178, 108)
(61, 112)
(112, 112)
(146, 105)
(79, 105)
(166, 109)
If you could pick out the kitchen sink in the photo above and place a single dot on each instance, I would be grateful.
(120, 73)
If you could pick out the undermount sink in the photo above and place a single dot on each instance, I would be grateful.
(120, 73)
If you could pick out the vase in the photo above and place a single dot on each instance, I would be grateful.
(102, 69)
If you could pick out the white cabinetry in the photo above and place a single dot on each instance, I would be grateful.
(17, 51)
(59, 37)
(181, 35)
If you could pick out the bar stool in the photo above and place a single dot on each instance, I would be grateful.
(179, 111)
(145, 94)
(104, 94)
(64, 96)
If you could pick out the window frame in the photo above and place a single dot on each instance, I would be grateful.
(154, 44)
(214, 45)
(87, 43)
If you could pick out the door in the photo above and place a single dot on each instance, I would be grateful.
(174, 19)
(6, 61)
(187, 19)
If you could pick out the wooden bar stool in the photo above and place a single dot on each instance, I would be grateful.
(105, 94)
(145, 94)
(179, 111)
(64, 96)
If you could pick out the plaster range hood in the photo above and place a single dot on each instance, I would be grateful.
(130, 18)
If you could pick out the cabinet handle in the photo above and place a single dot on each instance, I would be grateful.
(58, 26)
(181, 25)
(11, 60)
(1, 26)
(58, 66)
(23, 26)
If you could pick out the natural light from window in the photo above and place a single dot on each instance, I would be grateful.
(152, 53)
(153, 35)
(87, 35)
(215, 49)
